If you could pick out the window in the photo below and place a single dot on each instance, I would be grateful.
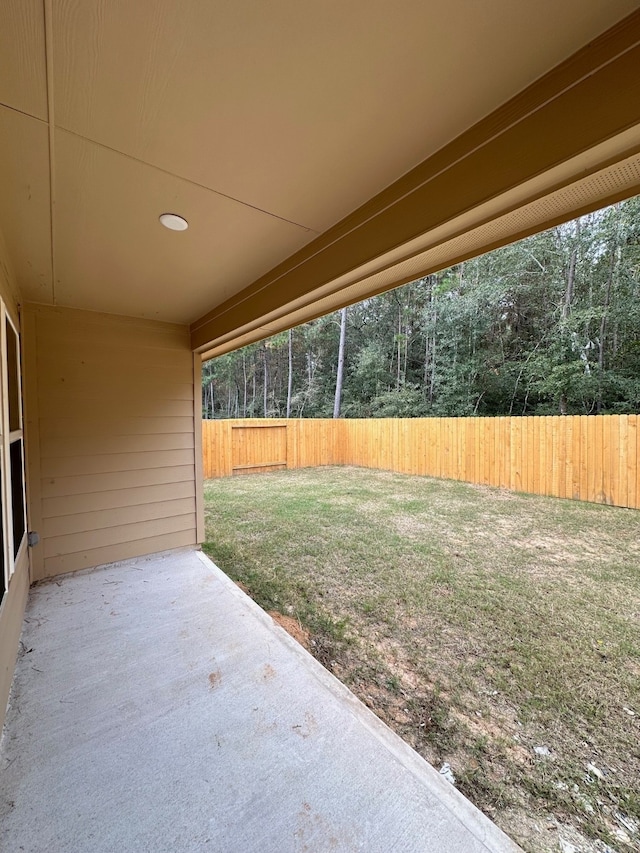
(17, 494)
(12, 480)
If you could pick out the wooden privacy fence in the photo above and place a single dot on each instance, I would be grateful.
(591, 458)
(252, 446)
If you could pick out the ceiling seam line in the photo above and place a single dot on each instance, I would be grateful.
(432, 177)
(48, 49)
(187, 180)
(22, 112)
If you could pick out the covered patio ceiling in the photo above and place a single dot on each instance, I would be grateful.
(320, 152)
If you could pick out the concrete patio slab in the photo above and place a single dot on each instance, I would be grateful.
(156, 708)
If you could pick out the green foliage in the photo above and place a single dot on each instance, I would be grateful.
(548, 325)
(407, 402)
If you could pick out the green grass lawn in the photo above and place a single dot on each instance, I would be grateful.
(479, 624)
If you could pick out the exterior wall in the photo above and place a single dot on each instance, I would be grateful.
(113, 460)
(15, 599)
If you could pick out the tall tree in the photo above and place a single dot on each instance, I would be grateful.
(290, 373)
(340, 370)
(265, 381)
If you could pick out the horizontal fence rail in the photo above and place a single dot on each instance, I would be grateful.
(586, 458)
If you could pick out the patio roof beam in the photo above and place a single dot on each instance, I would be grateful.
(591, 98)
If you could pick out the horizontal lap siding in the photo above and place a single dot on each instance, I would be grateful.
(113, 415)
(11, 616)
(110, 463)
(78, 522)
(13, 604)
(140, 406)
(88, 484)
(59, 506)
(118, 551)
(88, 446)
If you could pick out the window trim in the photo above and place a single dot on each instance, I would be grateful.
(7, 439)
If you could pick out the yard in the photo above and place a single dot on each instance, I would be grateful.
(494, 631)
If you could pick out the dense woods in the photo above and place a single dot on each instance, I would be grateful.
(548, 325)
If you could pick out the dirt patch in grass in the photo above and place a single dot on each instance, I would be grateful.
(292, 627)
(495, 631)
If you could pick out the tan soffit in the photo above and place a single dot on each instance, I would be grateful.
(613, 184)
(583, 115)
(130, 259)
(262, 123)
(25, 200)
(23, 79)
(301, 109)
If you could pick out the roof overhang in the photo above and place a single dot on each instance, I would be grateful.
(569, 144)
(321, 152)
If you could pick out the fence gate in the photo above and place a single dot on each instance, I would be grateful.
(258, 448)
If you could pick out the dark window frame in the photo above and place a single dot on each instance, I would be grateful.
(13, 509)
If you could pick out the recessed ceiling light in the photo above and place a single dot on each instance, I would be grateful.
(174, 222)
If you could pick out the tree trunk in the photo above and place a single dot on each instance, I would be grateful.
(603, 327)
(568, 299)
(571, 280)
(265, 389)
(290, 377)
(406, 352)
(398, 347)
(427, 345)
(571, 274)
(244, 376)
(343, 334)
(432, 383)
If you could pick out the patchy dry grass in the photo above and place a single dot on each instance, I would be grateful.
(479, 624)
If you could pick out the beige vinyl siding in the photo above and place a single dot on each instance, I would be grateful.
(57, 467)
(58, 507)
(115, 472)
(78, 522)
(54, 487)
(136, 407)
(119, 551)
(11, 616)
(15, 599)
